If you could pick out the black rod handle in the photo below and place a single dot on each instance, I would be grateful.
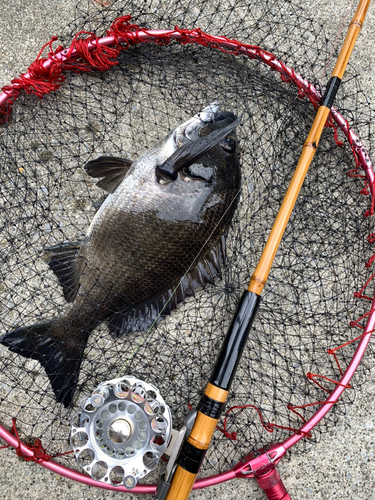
(235, 340)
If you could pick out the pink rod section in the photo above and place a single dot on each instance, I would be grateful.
(272, 485)
(246, 467)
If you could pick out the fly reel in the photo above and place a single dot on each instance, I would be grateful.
(120, 432)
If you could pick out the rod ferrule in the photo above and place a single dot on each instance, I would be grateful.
(191, 458)
(210, 407)
(331, 91)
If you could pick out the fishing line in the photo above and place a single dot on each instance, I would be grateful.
(189, 269)
(336, 40)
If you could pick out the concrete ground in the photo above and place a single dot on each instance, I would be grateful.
(342, 465)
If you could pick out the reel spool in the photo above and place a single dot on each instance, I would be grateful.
(120, 432)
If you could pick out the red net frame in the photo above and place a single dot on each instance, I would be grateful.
(89, 53)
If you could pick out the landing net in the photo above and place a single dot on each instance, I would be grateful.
(309, 305)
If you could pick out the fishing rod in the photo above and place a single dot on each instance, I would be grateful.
(179, 483)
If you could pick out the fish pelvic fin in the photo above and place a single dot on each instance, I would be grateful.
(60, 361)
(111, 168)
(62, 260)
(148, 314)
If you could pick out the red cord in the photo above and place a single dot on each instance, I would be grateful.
(269, 426)
(39, 453)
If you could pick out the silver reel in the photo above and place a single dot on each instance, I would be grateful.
(120, 432)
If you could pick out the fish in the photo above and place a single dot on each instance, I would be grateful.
(157, 237)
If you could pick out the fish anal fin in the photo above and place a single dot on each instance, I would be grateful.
(141, 318)
(62, 260)
(111, 168)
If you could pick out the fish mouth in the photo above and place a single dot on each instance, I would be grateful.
(207, 134)
(209, 113)
(203, 123)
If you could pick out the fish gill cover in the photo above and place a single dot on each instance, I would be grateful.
(47, 199)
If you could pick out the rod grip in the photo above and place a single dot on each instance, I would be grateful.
(182, 484)
(213, 400)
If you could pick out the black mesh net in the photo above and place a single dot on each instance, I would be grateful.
(47, 198)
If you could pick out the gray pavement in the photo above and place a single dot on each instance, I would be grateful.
(342, 465)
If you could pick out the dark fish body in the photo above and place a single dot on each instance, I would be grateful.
(151, 243)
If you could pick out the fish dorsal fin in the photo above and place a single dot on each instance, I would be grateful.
(142, 317)
(111, 168)
(62, 260)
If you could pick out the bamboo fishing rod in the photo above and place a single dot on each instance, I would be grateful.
(210, 407)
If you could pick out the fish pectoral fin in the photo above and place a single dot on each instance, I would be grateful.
(62, 260)
(148, 314)
(111, 168)
(60, 361)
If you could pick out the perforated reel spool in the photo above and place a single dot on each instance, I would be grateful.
(120, 432)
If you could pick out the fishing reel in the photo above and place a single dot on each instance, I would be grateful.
(120, 432)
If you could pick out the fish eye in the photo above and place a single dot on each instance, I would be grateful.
(229, 144)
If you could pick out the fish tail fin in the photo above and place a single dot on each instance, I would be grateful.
(60, 360)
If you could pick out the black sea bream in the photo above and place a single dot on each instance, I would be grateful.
(157, 236)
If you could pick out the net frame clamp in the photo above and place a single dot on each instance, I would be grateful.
(260, 462)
